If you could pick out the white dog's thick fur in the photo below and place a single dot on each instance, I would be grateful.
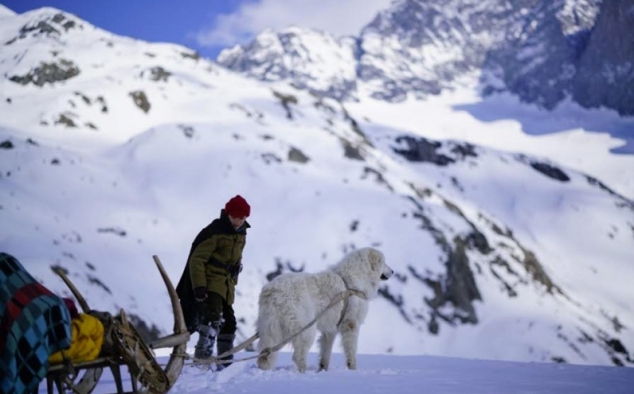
(291, 301)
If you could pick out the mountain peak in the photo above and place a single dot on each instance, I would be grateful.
(5, 11)
(47, 21)
(311, 59)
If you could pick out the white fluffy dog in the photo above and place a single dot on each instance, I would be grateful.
(291, 301)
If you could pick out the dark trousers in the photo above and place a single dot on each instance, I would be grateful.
(215, 310)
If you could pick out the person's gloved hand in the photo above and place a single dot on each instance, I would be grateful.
(200, 293)
(235, 270)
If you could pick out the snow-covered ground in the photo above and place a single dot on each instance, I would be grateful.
(398, 374)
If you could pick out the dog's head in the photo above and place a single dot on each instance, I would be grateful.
(377, 264)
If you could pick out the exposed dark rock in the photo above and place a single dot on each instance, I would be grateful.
(422, 150)
(500, 262)
(147, 332)
(95, 281)
(297, 156)
(534, 267)
(286, 100)
(464, 150)
(622, 200)
(433, 327)
(102, 101)
(6, 144)
(48, 73)
(616, 361)
(66, 120)
(187, 130)
(510, 291)
(477, 240)
(46, 27)
(617, 346)
(159, 74)
(616, 323)
(378, 177)
(141, 100)
(89, 101)
(461, 288)
(530, 263)
(550, 171)
(42, 27)
(458, 287)
(191, 55)
(396, 300)
(355, 126)
(249, 113)
(84, 98)
(113, 230)
(351, 151)
(271, 158)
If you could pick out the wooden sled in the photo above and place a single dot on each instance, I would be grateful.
(123, 346)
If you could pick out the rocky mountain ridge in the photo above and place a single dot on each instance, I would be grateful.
(540, 50)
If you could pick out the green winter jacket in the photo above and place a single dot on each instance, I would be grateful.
(216, 251)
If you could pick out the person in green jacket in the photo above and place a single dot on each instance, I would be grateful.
(207, 287)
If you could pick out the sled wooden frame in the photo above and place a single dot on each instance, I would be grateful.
(130, 350)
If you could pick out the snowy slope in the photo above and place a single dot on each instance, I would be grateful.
(120, 149)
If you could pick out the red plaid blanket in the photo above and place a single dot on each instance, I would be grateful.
(34, 323)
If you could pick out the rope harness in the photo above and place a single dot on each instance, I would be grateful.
(341, 296)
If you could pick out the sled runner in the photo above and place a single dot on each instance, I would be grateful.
(123, 346)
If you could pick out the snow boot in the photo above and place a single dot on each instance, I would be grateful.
(225, 343)
(207, 334)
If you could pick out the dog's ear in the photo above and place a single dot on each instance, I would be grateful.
(376, 260)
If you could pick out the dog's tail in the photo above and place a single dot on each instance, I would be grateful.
(269, 323)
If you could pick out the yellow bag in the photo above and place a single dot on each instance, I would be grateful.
(87, 339)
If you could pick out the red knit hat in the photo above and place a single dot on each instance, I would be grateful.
(237, 207)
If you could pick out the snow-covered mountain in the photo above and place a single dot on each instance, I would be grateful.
(541, 50)
(113, 149)
(312, 60)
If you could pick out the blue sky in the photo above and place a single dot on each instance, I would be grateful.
(210, 25)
